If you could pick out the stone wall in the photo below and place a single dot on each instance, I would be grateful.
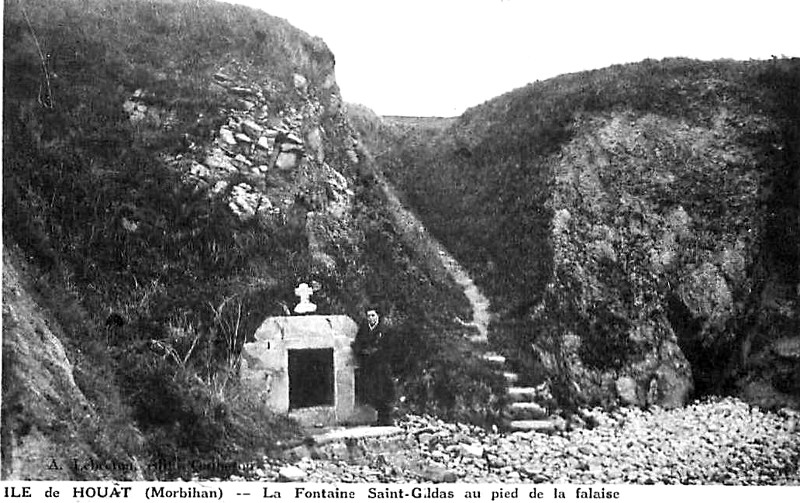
(265, 364)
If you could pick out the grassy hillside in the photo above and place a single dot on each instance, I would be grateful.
(122, 192)
(557, 196)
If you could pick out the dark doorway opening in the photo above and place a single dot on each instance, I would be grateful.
(310, 377)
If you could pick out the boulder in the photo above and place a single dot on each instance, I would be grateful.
(243, 138)
(706, 294)
(627, 391)
(471, 450)
(438, 474)
(244, 201)
(291, 474)
(219, 187)
(265, 143)
(292, 148)
(251, 128)
(243, 160)
(286, 161)
(293, 138)
(226, 137)
(671, 386)
(245, 105)
(219, 160)
(199, 170)
(300, 83)
(314, 144)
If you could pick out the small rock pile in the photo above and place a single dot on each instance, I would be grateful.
(721, 441)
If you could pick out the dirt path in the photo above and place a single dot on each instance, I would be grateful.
(435, 254)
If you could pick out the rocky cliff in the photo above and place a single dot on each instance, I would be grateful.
(192, 127)
(50, 430)
(172, 170)
(636, 227)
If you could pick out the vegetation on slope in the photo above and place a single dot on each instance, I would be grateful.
(488, 186)
(156, 283)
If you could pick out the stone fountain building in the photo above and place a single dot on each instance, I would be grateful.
(304, 366)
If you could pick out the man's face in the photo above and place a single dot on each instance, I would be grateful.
(372, 317)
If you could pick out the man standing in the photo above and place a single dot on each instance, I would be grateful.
(375, 384)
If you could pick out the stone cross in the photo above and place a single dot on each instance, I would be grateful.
(305, 306)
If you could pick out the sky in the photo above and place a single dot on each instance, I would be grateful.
(440, 57)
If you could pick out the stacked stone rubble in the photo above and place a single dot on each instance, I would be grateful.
(269, 151)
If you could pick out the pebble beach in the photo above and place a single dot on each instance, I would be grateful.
(716, 441)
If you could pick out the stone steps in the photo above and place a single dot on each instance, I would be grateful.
(538, 425)
(525, 411)
(511, 377)
(494, 359)
(521, 412)
(521, 394)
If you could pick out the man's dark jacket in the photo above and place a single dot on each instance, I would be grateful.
(374, 353)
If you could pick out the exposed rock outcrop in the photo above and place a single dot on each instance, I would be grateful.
(634, 227)
(652, 259)
(47, 421)
(280, 148)
(264, 142)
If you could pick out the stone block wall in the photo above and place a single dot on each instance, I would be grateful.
(265, 365)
